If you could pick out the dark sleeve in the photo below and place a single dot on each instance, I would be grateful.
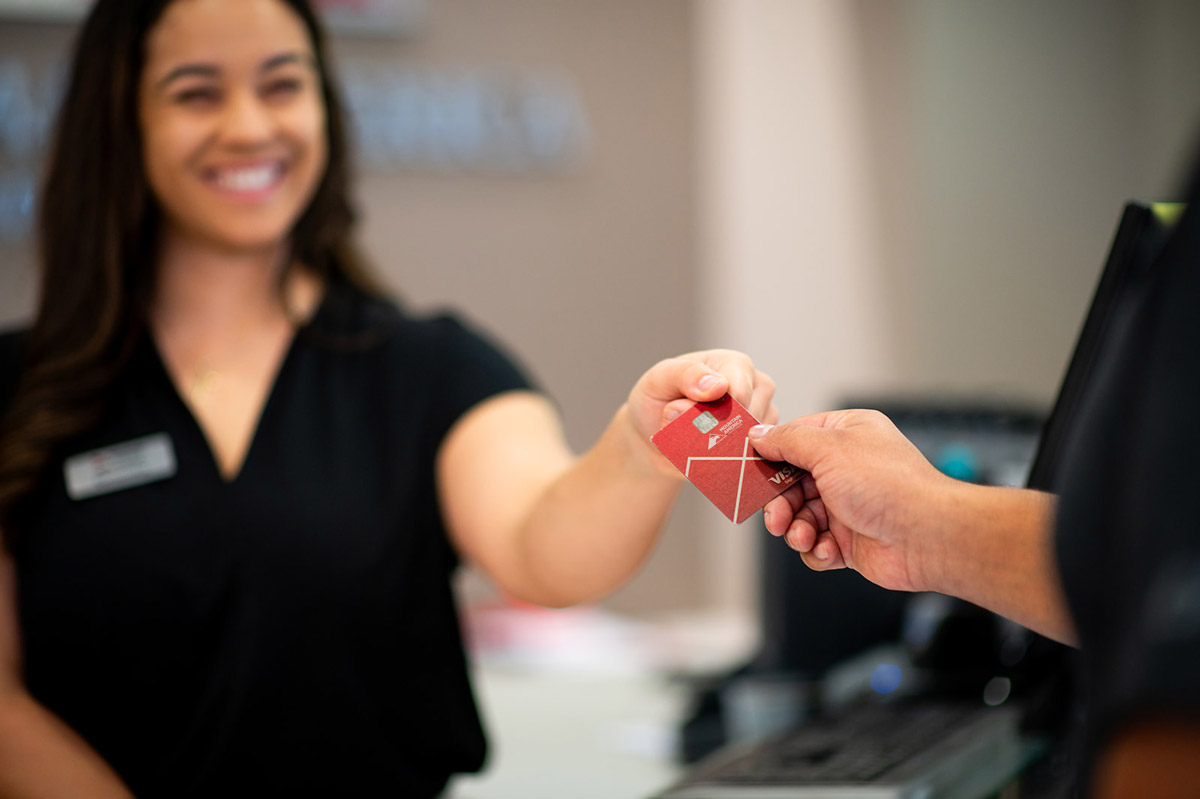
(472, 367)
(1159, 669)
(1128, 526)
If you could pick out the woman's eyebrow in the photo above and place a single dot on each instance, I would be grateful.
(188, 70)
(203, 70)
(283, 59)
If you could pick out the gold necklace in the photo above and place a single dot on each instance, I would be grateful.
(205, 383)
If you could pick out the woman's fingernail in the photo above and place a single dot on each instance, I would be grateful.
(709, 381)
(760, 430)
(821, 552)
(671, 414)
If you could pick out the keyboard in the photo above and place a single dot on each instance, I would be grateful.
(918, 750)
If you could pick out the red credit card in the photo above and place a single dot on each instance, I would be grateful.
(709, 444)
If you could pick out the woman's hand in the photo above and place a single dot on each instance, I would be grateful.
(671, 386)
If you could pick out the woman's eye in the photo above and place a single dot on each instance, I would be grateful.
(283, 87)
(200, 95)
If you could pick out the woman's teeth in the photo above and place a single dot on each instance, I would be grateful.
(247, 179)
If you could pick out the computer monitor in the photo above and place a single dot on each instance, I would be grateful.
(1141, 233)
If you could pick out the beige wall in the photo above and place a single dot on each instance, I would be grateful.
(1027, 126)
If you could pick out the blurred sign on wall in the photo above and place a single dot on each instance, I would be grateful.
(371, 17)
(28, 101)
(491, 121)
(48, 10)
(362, 17)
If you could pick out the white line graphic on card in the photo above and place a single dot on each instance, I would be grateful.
(741, 476)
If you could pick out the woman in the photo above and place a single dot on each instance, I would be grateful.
(240, 582)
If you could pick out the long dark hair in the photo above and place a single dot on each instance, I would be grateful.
(97, 233)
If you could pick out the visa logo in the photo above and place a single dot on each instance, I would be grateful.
(787, 473)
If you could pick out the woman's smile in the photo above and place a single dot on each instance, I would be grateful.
(250, 183)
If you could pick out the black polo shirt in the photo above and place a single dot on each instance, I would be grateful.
(1128, 536)
(291, 631)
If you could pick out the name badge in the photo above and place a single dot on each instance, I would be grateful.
(125, 465)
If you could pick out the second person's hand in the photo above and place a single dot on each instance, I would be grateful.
(861, 503)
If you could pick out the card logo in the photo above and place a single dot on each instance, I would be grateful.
(785, 475)
(705, 422)
(715, 439)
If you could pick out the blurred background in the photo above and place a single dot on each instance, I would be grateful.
(906, 198)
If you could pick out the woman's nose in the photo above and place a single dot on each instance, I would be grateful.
(246, 119)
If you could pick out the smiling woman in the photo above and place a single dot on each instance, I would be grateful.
(225, 125)
(113, 184)
(234, 145)
(235, 479)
